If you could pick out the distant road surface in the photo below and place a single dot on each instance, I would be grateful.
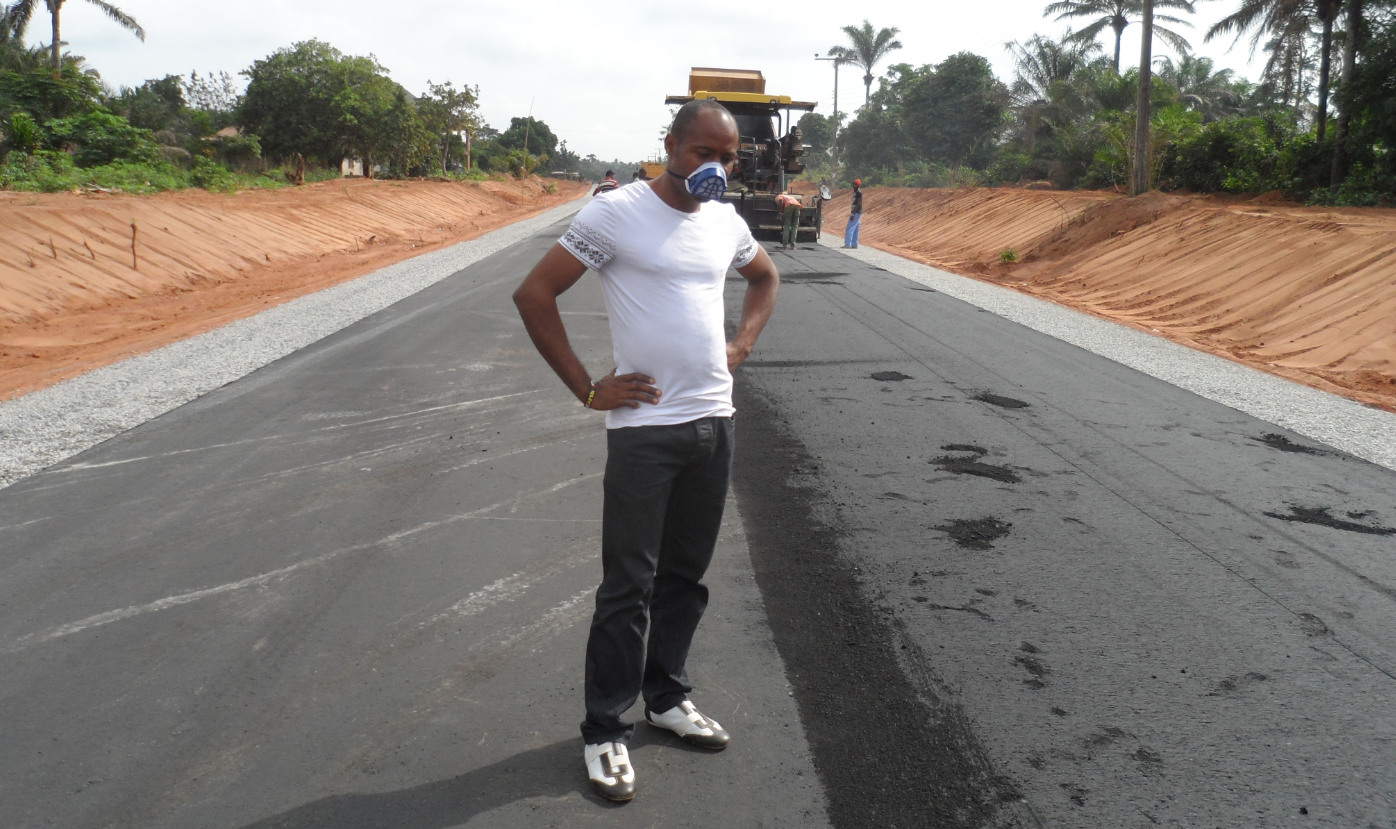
(971, 576)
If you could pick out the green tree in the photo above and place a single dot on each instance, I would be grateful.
(816, 131)
(36, 89)
(212, 93)
(877, 138)
(154, 105)
(100, 137)
(566, 160)
(867, 48)
(1370, 99)
(22, 11)
(1341, 151)
(1040, 65)
(540, 139)
(312, 99)
(13, 53)
(446, 113)
(1211, 92)
(1117, 14)
(1285, 28)
(954, 114)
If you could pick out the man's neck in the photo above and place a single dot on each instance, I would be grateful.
(667, 188)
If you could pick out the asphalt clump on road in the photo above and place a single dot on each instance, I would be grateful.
(1284, 444)
(1000, 401)
(975, 533)
(889, 752)
(890, 376)
(1321, 517)
(972, 465)
(805, 276)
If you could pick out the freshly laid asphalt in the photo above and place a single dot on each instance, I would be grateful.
(970, 576)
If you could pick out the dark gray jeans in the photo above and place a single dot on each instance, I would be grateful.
(665, 488)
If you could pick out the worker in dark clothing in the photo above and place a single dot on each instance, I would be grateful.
(855, 216)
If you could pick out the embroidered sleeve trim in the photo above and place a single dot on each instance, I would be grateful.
(588, 245)
(745, 253)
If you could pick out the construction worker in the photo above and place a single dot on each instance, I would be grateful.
(789, 206)
(607, 184)
(855, 216)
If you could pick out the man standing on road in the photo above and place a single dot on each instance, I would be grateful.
(855, 216)
(662, 250)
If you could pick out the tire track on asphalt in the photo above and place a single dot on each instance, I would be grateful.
(121, 614)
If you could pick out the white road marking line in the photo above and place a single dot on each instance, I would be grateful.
(120, 614)
(25, 523)
(463, 404)
(553, 520)
(556, 620)
(510, 453)
(431, 525)
(505, 590)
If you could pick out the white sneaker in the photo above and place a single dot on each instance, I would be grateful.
(685, 720)
(608, 766)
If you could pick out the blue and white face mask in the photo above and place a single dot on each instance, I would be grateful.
(707, 183)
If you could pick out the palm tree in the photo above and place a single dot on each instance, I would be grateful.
(867, 50)
(1287, 23)
(1327, 11)
(13, 53)
(1290, 64)
(1201, 88)
(1041, 63)
(21, 11)
(1117, 15)
(1340, 153)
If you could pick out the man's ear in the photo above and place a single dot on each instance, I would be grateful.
(671, 145)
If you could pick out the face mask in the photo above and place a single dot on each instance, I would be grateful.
(707, 183)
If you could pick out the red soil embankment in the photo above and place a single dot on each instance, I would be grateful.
(1305, 293)
(71, 300)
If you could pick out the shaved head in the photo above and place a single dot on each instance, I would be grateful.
(690, 112)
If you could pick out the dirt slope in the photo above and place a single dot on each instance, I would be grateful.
(71, 300)
(1306, 293)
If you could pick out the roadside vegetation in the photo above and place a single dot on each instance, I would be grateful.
(1319, 124)
(289, 118)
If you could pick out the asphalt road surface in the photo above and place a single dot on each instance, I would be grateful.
(971, 576)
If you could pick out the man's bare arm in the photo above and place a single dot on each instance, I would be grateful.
(762, 283)
(536, 300)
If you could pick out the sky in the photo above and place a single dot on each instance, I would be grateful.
(596, 72)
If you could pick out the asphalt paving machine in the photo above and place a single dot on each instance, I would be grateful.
(771, 147)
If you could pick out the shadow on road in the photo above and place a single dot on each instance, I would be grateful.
(551, 771)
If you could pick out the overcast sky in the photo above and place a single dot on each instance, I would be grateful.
(596, 72)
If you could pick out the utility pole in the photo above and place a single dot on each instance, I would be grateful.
(1139, 180)
(834, 140)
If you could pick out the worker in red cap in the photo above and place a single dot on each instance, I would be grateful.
(855, 216)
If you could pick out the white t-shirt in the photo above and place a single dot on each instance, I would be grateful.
(662, 274)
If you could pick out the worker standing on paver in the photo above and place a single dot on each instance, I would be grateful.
(855, 216)
(789, 206)
(662, 250)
